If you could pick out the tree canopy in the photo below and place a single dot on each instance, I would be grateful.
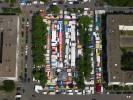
(10, 1)
(80, 79)
(84, 20)
(39, 30)
(11, 10)
(120, 2)
(40, 75)
(84, 62)
(8, 85)
(127, 60)
(54, 9)
(84, 38)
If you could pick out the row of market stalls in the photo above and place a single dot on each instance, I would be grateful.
(70, 43)
(60, 53)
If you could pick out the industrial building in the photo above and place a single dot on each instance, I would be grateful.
(117, 25)
(9, 29)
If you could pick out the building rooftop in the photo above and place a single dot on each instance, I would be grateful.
(9, 27)
(114, 43)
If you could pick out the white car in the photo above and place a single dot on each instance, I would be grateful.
(51, 93)
(26, 52)
(27, 23)
(54, 3)
(70, 93)
(75, 91)
(71, 3)
(79, 93)
(41, 2)
(18, 96)
(44, 93)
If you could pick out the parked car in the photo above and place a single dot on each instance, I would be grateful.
(75, 91)
(79, 93)
(18, 95)
(52, 93)
(41, 2)
(70, 2)
(70, 93)
(98, 88)
(54, 3)
(27, 22)
(69, 90)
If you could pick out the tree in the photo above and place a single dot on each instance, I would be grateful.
(41, 76)
(43, 79)
(127, 60)
(8, 85)
(84, 64)
(39, 30)
(11, 10)
(120, 2)
(85, 20)
(10, 1)
(54, 9)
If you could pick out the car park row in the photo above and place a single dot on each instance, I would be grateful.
(98, 48)
(54, 2)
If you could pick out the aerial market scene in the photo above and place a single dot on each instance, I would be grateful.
(66, 49)
(68, 53)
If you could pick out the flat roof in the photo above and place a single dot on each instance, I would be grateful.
(8, 36)
(114, 42)
(124, 27)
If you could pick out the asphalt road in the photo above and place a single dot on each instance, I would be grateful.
(90, 97)
(28, 86)
(116, 9)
